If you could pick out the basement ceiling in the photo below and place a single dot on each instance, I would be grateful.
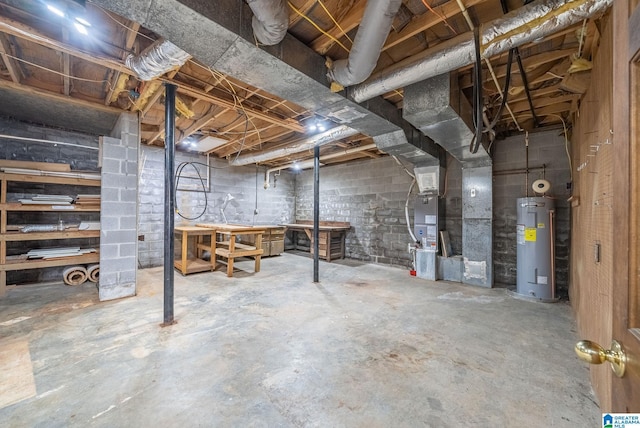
(50, 72)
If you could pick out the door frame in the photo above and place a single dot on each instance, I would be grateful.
(625, 393)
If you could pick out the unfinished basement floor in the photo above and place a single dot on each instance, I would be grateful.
(369, 346)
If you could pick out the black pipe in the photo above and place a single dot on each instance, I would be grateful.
(523, 73)
(525, 82)
(169, 199)
(316, 213)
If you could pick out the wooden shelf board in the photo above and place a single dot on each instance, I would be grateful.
(39, 236)
(39, 263)
(193, 266)
(27, 178)
(16, 207)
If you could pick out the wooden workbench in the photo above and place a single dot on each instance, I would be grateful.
(187, 265)
(331, 242)
(228, 248)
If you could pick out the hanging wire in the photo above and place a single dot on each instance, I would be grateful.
(344, 33)
(317, 27)
(439, 15)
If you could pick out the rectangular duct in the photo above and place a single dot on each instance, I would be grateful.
(437, 108)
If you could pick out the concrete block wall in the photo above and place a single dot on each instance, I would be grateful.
(547, 148)
(369, 194)
(76, 156)
(275, 205)
(119, 204)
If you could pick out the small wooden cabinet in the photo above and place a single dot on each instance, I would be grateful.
(272, 239)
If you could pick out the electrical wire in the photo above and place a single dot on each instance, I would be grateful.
(334, 21)
(439, 15)
(204, 190)
(566, 144)
(317, 27)
(507, 83)
(57, 72)
(120, 23)
(246, 126)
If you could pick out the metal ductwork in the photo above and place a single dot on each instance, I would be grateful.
(270, 20)
(333, 134)
(533, 21)
(291, 71)
(411, 146)
(437, 108)
(372, 33)
(157, 60)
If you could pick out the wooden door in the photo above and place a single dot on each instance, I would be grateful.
(606, 295)
(625, 391)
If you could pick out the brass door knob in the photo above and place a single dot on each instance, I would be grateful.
(593, 353)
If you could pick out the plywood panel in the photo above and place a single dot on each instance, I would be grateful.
(16, 377)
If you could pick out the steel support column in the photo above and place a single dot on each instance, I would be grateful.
(169, 200)
(316, 212)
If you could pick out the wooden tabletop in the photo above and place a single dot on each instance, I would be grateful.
(310, 227)
(231, 228)
(191, 229)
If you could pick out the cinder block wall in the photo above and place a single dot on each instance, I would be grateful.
(118, 236)
(369, 194)
(547, 148)
(275, 205)
(78, 158)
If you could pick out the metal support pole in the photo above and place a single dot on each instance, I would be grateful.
(169, 200)
(316, 212)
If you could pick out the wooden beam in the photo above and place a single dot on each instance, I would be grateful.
(426, 21)
(306, 7)
(234, 146)
(10, 63)
(323, 43)
(130, 39)
(25, 32)
(66, 65)
(59, 97)
(212, 114)
(222, 102)
(543, 102)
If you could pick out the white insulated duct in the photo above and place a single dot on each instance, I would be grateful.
(157, 60)
(309, 143)
(372, 33)
(535, 20)
(270, 20)
(304, 165)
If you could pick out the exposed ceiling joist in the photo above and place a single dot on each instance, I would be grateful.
(10, 63)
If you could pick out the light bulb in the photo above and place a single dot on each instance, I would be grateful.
(56, 10)
(81, 28)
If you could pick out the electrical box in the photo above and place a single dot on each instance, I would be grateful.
(426, 224)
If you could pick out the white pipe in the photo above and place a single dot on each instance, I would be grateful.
(309, 164)
(270, 20)
(333, 134)
(372, 33)
(37, 140)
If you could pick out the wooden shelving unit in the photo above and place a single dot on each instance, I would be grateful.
(12, 263)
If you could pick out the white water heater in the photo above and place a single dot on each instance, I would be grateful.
(535, 248)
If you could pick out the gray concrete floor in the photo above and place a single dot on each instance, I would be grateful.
(367, 346)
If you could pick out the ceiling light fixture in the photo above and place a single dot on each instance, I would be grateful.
(55, 10)
(81, 28)
(295, 166)
(80, 20)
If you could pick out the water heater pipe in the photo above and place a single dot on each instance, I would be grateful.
(552, 250)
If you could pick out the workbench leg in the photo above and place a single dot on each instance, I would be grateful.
(328, 253)
(258, 246)
(185, 241)
(3, 283)
(212, 245)
(232, 248)
(342, 244)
